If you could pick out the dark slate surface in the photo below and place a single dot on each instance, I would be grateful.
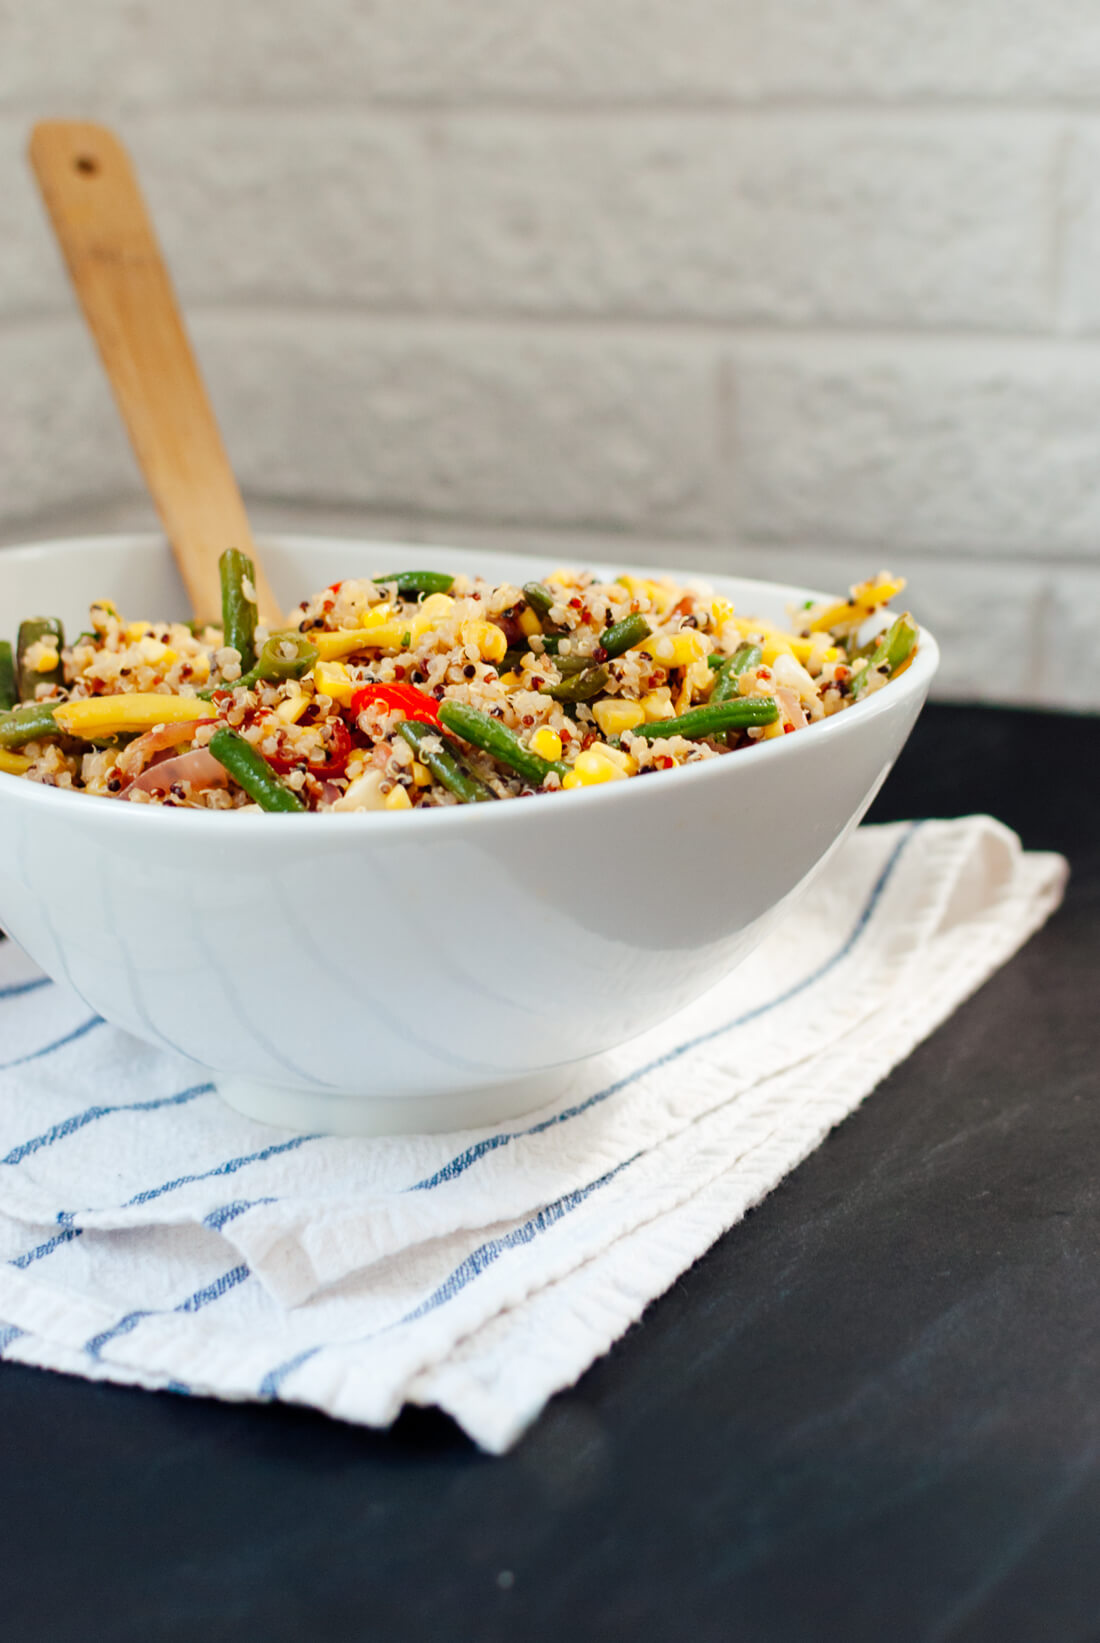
(870, 1412)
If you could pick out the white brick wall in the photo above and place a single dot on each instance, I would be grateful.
(802, 287)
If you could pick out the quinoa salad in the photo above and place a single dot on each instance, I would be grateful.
(417, 689)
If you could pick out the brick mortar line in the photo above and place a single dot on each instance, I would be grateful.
(838, 111)
(605, 107)
(409, 324)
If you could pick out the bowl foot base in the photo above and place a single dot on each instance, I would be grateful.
(315, 1112)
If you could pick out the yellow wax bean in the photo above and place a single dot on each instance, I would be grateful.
(116, 715)
(13, 764)
(345, 642)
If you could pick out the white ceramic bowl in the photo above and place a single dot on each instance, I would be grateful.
(437, 969)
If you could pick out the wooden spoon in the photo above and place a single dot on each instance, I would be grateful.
(99, 216)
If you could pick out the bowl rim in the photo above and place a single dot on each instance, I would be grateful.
(913, 683)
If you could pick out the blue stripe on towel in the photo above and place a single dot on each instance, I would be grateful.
(472, 1267)
(16, 989)
(484, 1256)
(90, 1115)
(229, 1168)
(31, 1255)
(222, 1216)
(58, 1044)
(8, 1334)
(194, 1303)
(464, 1160)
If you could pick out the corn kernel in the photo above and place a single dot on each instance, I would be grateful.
(701, 678)
(398, 799)
(775, 645)
(614, 716)
(436, 606)
(487, 639)
(619, 756)
(546, 743)
(512, 681)
(364, 793)
(529, 622)
(333, 679)
(13, 764)
(290, 711)
(657, 704)
(775, 729)
(677, 649)
(661, 594)
(721, 610)
(47, 661)
(136, 630)
(422, 776)
(593, 767)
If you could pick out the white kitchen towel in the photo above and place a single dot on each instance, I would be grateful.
(150, 1235)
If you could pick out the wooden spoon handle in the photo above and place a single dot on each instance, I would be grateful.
(100, 219)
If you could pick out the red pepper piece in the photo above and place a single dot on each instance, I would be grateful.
(414, 704)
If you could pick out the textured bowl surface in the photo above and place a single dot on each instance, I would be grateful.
(417, 970)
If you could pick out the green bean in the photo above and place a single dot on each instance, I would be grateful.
(8, 693)
(624, 635)
(445, 763)
(725, 686)
(581, 687)
(27, 724)
(498, 741)
(35, 628)
(890, 652)
(412, 583)
(539, 597)
(272, 667)
(714, 721)
(568, 665)
(239, 614)
(251, 771)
